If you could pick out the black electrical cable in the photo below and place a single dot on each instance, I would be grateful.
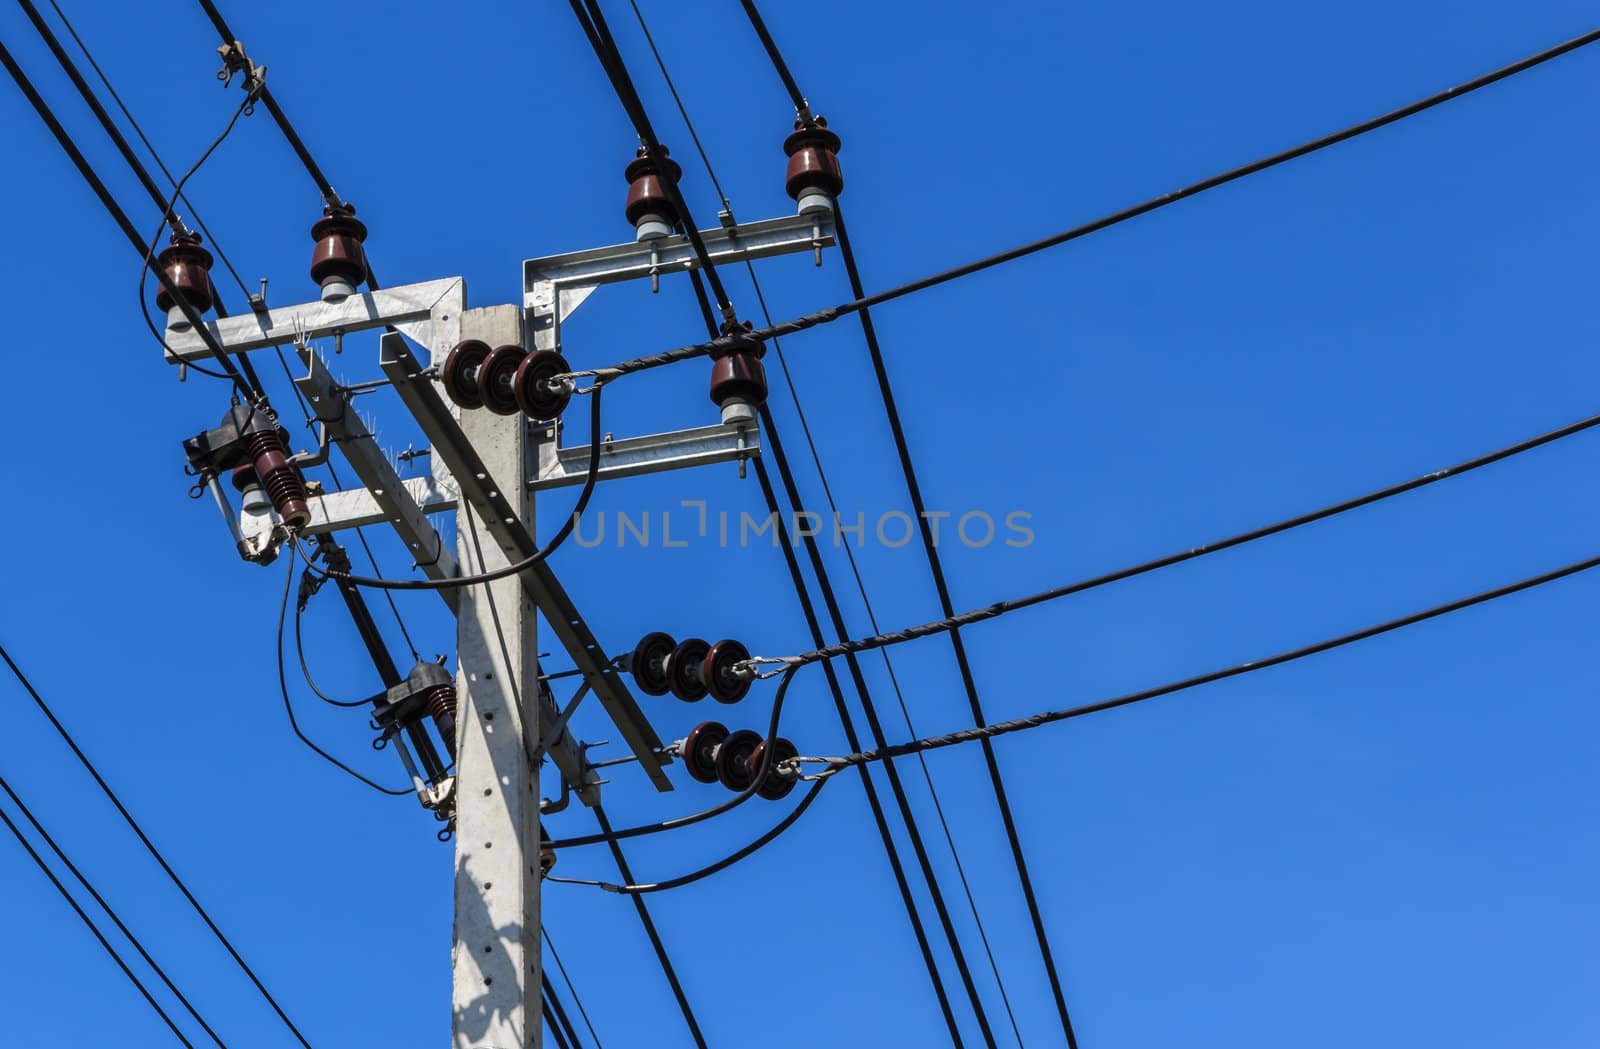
(947, 608)
(716, 810)
(550, 1023)
(571, 987)
(845, 720)
(802, 108)
(145, 267)
(1000, 608)
(502, 572)
(869, 708)
(267, 99)
(569, 1034)
(1001, 728)
(305, 671)
(593, 22)
(229, 371)
(705, 872)
(833, 313)
(144, 839)
(98, 935)
(650, 925)
(105, 81)
(72, 868)
(288, 705)
(816, 459)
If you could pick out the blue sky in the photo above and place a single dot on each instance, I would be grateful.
(1389, 844)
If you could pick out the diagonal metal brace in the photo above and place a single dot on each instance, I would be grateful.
(505, 527)
(333, 407)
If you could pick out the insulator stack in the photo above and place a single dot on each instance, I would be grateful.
(440, 703)
(188, 266)
(738, 380)
(692, 669)
(712, 754)
(650, 210)
(270, 458)
(813, 178)
(506, 379)
(338, 262)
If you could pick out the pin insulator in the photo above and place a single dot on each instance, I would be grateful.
(338, 262)
(738, 376)
(188, 267)
(813, 163)
(649, 209)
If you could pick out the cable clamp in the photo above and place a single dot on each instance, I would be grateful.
(235, 60)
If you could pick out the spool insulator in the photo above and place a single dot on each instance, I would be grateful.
(813, 160)
(738, 376)
(648, 664)
(440, 703)
(530, 386)
(648, 196)
(683, 670)
(278, 476)
(496, 376)
(719, 670)
(338, 257)
(460, 372)
(774, 787)
(700, 750)
(733, 759)
(188, 266)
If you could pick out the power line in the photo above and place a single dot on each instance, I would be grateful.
(86, 170)
(1000, 728)
(828, 494)
(144, 839)
(1000, 608)
(650, 931)
(845, 309)
(98, 935)
(571, 987)
(72, 868)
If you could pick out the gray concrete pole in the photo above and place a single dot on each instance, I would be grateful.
(496, 957)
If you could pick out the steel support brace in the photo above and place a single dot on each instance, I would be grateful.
(387, 494)
(556, 285)
(557, 468)
(505, 528)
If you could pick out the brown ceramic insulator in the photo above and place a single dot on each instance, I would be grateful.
(813, 159)
(440, 702)
(188, 266)
(338, 253)
(738, 375)
(496, 377)
(279, 477)
(647, 192)
(774, 786)
(244, 478)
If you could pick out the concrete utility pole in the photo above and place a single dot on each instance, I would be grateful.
(496, 959)
(487, 468)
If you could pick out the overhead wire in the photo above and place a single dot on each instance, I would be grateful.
(110, 912)
(827, 490)
(571, 987)
(288, 704)
(834, 765)
(99, 936)
(144, 839)
(229, 370)
(999, 608)
(611, 59)
(845, 309)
